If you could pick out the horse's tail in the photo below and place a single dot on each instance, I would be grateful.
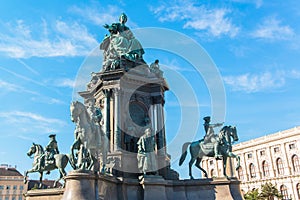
(184, 152)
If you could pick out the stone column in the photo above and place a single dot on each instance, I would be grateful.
(117, 133)
(160, 129)
(107, 94)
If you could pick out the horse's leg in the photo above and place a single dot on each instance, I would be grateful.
(224, 165)
(232, 155)
(198, 161)
(62, 173)
(190, 166)
(41, 179)
(104, 159)
(26, 174)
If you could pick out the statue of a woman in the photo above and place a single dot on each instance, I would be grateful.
(120, 44)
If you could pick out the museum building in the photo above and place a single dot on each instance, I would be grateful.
(11, 183)
(272, 158)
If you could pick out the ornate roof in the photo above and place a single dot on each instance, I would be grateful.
(7, 171)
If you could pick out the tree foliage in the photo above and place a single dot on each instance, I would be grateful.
(268, 192)
(252, 195)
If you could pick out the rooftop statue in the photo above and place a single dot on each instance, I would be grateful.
(154, 68)
(121, 48)
(201, 148)
(47, 159)
(89, 137)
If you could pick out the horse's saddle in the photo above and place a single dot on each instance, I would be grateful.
(207, 148)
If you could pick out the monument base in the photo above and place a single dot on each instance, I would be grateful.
(44, 194)
(83, 186)
(155, 187)
(80, 185)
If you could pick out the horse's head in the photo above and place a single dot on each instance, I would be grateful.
(75, 110)
(233, 133)
(31, 150)
(229, 131)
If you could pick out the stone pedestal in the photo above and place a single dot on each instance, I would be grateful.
(44, 194)
(80, 185)
(154, 187)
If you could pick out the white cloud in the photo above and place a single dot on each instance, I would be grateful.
(64, 39)
(10, 87)
(65, 82)
(28, 122)
(272, 29)
(30, 116)
(97, 14)
(258, 3)
(214, 21)
(267, 81)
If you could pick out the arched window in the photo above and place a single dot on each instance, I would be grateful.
(284, 192)
(240, 173)
(280, 168)
(252, 171)
(298, 190)
(296, 165)
(265, 169)
(212, 173)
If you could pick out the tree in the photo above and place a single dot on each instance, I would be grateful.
(252, 195)
(269, 191)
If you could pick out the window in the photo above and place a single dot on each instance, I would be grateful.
(276, 149)
(211, 162)
(262, 153)
(298, 190)
(252, 170)
(21, 187)
(249, 155)
(8, 187)
(15, 187)
(212, 173)
(280, 168)
(265, 169)
(296, 164)
(6, 198)
(292, 146)
(20, 198)
(240, 173)
(284, 192)
(1, 187)
(13, 198)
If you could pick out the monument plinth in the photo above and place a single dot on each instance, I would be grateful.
(80, 185)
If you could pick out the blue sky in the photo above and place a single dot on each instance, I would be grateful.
(44, 46)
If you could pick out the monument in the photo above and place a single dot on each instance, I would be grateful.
(119, 149)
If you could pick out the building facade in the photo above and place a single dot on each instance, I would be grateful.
(12, 186)
(273, 158)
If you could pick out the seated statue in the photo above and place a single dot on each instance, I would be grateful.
(120, 45)
(154, 68)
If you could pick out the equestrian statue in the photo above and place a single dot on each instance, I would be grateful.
(47, 159)
(90, 138)
(212, 145)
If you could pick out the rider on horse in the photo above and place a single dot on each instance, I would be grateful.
(210, 137)
(50, 150)
(94, 112)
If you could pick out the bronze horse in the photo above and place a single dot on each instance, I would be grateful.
(60, 162)
(198, 150)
